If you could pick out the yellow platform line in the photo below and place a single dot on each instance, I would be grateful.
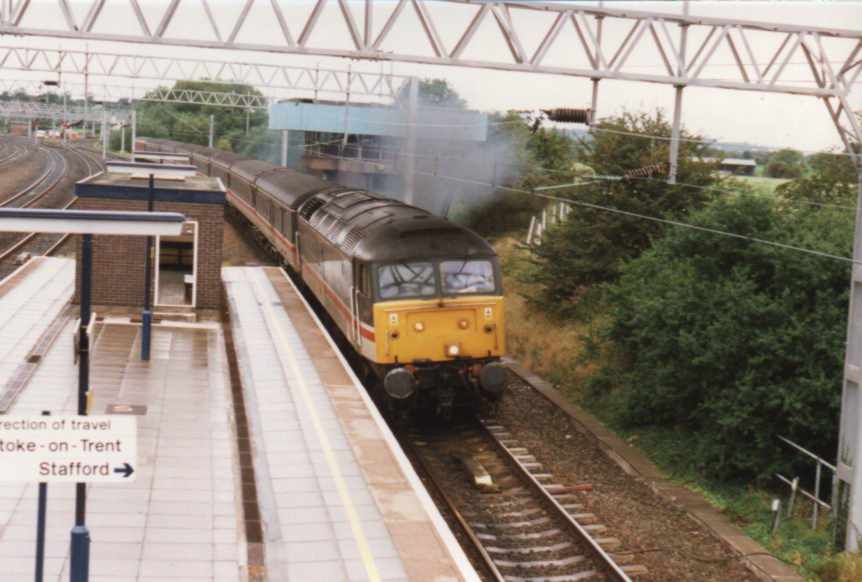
(331, 462)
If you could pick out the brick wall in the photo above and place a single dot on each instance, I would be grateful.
(118, 261)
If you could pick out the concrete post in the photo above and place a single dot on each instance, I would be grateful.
(594, 102)
(212, 129)
(674, 140)
(105, 135)
(134, 130)
(123, 137)
(677, 102)
(284, 147)
(410, 162)
(847, 495)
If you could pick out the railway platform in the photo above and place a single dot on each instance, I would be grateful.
(333, 497)
(338, 498)
(181, 518)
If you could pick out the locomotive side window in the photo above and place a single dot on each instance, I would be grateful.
(467, 277)
(406, 280)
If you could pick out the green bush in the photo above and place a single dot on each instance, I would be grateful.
(591, 246)
(733, 341)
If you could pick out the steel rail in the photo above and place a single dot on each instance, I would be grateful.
(52, 161)
(588, 548)
(14, 247)
(18, 150)
(468, 531)
(90, 162)
(598, 552)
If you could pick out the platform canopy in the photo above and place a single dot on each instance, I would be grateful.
(432, 123)
(91, 222)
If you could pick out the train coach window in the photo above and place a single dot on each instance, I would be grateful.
(406, 280)
(467, 277)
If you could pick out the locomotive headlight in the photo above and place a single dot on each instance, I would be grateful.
(453, 350)
(463, 324)
(419, 326)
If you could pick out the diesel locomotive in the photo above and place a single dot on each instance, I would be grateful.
(418, 298)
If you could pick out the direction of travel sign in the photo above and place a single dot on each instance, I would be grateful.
(76, 449)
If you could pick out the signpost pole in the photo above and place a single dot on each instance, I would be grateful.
(40, 526)
(147, 318)
(80, 544)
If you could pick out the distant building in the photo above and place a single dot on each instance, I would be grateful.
(737, 166)
(363, 145)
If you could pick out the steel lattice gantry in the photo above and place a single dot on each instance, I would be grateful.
(686, 48)
(271, 79)
(158, 94)
(15, 109)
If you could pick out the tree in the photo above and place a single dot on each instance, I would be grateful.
(526, 159)
(434, 93)
(785, 163)
(731, 341)
(190, 121)
(591, 245)
(832, 181)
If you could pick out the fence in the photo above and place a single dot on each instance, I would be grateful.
(814, 497)
(551, 215)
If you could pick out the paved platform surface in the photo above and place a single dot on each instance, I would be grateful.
(339, 501)
(30, 299)
(180, 520)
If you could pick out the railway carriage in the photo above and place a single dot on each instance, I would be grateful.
(418, 297)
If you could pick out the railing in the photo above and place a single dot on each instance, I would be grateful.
(359, 152)
(814, 497)
(551, 215)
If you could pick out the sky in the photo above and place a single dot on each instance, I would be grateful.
(735, 116)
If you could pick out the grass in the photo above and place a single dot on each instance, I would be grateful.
(761, 184)
(747, 505)
(551, 348)
(547, 346)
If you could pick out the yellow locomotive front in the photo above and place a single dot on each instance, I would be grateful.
(439, 329)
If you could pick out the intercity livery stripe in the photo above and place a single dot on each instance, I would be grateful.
(238, 201)
(364, 330)
(344, 309)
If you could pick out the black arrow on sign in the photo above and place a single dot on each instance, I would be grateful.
(126, 470)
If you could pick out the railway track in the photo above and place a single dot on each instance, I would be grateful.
(523, 525)
(15, 150)
(52, 189)
(30, 194)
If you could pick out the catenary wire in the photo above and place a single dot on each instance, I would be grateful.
(656, 219)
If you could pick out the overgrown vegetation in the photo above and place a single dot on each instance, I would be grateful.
(732, 341)
(238, 130)
(592, 245)
(700, 347)
(785, 163)
(532, 158)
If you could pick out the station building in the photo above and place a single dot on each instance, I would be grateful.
(366, 145)
(186, 269)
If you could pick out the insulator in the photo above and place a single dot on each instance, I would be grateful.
(646, 171)
(568, 115)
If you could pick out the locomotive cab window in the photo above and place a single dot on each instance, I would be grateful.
(400, 280)
(466, 276)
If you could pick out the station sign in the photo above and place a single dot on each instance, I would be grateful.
(75, 449)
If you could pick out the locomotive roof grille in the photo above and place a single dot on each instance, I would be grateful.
(310, 207)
